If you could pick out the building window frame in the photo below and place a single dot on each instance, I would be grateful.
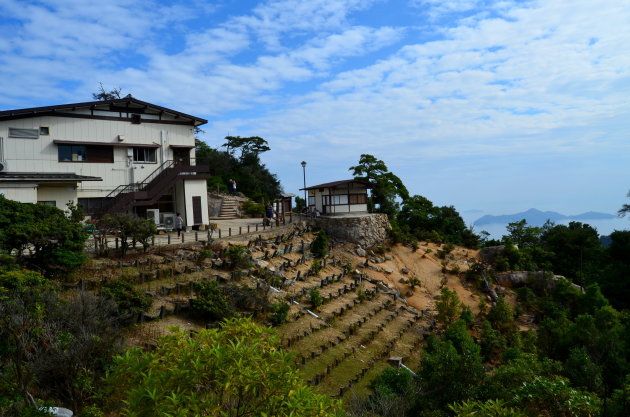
(85, 153)
(143, 155)
(23, 133)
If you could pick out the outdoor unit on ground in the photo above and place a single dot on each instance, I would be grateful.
(154, 215)
(168, 220)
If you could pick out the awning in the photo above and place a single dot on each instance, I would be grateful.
(46, 177)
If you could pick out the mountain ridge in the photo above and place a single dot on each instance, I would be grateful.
(535, 217)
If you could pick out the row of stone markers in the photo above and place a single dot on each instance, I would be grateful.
(358, 340)
(349, 331)
(378, 356)
(397, 350)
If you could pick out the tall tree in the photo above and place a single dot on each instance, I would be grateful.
(254, 145)
(387, 186)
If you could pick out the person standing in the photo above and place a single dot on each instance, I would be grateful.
(179, 223)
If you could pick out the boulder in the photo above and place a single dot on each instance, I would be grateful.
(489, 254)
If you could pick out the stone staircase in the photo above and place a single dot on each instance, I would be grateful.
(229, 209)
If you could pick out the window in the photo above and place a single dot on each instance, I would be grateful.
(48, 203)
(92, 205)
(44, 130)
(144, 155)
(358, 198)
(311, 200)
(135, 119)
(339, 199)
(85, 153)
(15, 132)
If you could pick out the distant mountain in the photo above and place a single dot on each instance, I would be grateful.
(536, 217)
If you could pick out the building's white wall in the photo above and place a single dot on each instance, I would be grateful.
(358, 208)
(59, 194)
(179, 194)
(41, 155)
(25, 193)
(194, 188)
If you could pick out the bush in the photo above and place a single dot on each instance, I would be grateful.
(253, 209)
(319, 247)
(210, 303)
(237, 370)
(128, 299)
(238, 257)
(280, 313)
(55, 242)
(316, 267)
(315, 298)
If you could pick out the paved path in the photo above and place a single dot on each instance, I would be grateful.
(225, 229)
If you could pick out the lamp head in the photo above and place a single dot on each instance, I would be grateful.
(303, 163)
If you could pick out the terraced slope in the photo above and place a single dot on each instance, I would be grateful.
(368, 313)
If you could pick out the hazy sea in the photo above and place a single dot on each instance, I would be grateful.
(604, 227)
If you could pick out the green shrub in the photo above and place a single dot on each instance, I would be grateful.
(128, 298)
(253, 209)
(316, 267)
(280, 313)
(237, 370)
(211, 302)
(319, 247)
(315, 298)
(55, 242)
(238, 257)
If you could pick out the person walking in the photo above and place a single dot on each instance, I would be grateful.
(179, 223)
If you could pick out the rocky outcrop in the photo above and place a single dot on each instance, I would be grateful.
(363, 229)
(490, 253)
(535, 279)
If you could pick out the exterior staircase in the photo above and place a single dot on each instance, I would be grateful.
(229, 208)
(147, 192)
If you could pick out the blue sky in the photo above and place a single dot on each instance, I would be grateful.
(497, 106)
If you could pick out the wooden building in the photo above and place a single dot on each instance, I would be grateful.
(338, 197)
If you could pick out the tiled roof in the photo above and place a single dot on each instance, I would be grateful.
(337, 183)
(132, 102)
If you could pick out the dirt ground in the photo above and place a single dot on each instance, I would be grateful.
(425, 265)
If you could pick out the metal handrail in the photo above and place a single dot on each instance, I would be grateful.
(142, 186)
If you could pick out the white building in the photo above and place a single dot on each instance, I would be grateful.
(122, 155)
(338, 197)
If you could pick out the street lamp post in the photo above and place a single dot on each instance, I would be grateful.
(303, 163)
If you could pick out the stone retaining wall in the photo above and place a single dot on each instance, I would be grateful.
(363, 229)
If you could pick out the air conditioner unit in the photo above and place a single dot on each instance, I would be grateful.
(121, 138)
(168, 220)
(3, 166)
(154, 215)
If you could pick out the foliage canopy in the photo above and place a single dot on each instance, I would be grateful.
(236, 370)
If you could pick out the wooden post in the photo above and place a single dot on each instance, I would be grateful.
(229, 231)
(168, 239)
(247, 228)
(196, 236)
(219, 233)
(183, 237)
(116, 242)
(239, 230)
(256, 226)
